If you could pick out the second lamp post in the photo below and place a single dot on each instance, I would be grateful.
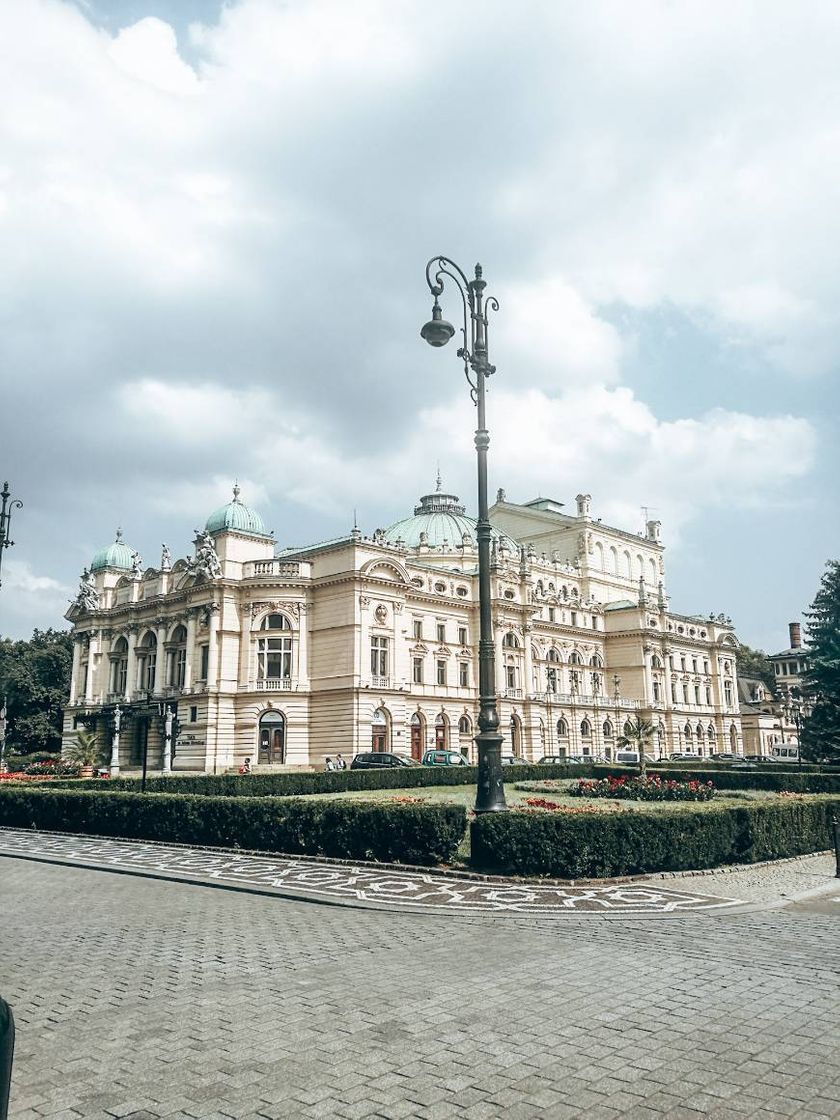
(490, 796)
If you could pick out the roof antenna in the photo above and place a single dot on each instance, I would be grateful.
(439, 483)
(355, 521)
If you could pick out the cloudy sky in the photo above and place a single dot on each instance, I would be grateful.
(214, 222)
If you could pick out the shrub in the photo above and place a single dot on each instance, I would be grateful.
(420, 834)
(601, 845)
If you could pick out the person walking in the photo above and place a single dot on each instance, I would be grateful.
(340, 764)
(329, 764)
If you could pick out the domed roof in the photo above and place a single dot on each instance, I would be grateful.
(237, 516)
(442, 519)
(116, 555)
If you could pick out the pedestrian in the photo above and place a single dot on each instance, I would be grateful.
(245, 768)
(340, 764)
(329, 764)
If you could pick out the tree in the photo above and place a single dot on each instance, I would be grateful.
(35, 679)
(637, 736)
(755, 664)
(821, 730)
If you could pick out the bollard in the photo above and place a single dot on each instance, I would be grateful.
(835, 824)
(7, 1049)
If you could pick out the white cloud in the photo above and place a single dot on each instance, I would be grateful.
(148, 50)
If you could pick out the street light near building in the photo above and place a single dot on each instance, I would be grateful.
(490, 795)
(8, 504)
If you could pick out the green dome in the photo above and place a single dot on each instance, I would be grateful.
(116, 555)
(236, 516)
(442, 519)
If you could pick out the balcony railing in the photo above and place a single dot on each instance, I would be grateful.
(270, 684)
(279, 569)
(380, 682)
(512, 693)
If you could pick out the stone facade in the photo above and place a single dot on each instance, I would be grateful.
(372, 642)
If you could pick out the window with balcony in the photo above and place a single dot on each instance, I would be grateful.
(274, 649)
(379, 657)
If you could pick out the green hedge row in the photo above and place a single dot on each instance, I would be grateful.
(418, 834)
(294, 784)
(602, 845)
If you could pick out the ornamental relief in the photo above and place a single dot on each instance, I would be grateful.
(289, 607)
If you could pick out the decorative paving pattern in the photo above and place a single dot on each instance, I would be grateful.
(362, 884)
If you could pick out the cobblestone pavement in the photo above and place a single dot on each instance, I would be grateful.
(366, 883)
(146, 998)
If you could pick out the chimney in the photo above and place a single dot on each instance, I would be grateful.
(795, 635)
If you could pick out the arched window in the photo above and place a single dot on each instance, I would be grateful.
(596, 661)
(585, 729)
(464, 726)
(272, 738)
(510, 641)
(655, 663)
(147, 662)
(119, 667)
(176, 668)
(575, 658)
(274, 652)
(553, 656)
(687, 732)
(699, 731)
(608, 729)
(562, 729)
(628, 729)
(441, 732)
(711, 733)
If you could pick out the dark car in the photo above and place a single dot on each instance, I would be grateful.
(444, 758)
(376, 760)
(723, 756)
(513, 760)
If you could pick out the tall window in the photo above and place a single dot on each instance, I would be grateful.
(441, 631)
(708, 695)
(510, 641)
(147, 662)
(119, 667)
(673, 692)
(585, 729)
(551, 679)
(727, 693)
(685, 693)
(274, 649)
(510, 676)
(205, 662)
(177, 658)
(379, 657)
(441, 672)
(417, 670)
(562, 729)
(462, 635)
(418, 629)
(464, 674)
(551, 614)
(608, 729)
(697, 694)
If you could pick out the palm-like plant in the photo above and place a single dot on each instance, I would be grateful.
(85, 750)
(637, 736)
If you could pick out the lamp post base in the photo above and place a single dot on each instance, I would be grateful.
(490, 794)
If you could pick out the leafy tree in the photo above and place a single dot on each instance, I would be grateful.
(637, 736)
(821, 732)
(755, 664)
(35, 679)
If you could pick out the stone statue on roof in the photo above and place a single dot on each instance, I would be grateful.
(88, 596)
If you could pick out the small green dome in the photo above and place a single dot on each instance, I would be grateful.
(439, 519)
(236, 516)
(116, 555)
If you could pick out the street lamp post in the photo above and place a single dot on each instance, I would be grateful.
(6, 519)
(3, 735)
(796, 716)
(490, 795)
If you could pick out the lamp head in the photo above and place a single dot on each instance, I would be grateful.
(437, 332)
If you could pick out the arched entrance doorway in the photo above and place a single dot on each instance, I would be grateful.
(272, 741)
(417, 735)
(379, 731)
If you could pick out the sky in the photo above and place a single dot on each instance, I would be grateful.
(214, 226)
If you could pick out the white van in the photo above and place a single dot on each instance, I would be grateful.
(784, 752)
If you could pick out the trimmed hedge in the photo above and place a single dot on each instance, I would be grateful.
(419, 834)
(602, 845)
(297, 784)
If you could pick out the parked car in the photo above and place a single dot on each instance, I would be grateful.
(558, 759)
(376, 760)
(444, 758)
(744, 764)
(513, 760)
(630, 758)
(683, 757)
(724, 756)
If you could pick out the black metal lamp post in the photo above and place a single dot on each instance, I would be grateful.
(6, 518)
(796, 716)
(490, 796)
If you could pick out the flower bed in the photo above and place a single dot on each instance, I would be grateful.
(652, 788)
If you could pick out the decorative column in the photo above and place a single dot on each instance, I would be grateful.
(131, 667)
(188, 667)
(115, 743)
(92, 641)
(74, 675)
(160, 659)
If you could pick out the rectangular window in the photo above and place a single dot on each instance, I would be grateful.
(727, 693)
(574, 618)
(418, 629)
(193, 714)
(510, 676)
(708, 696)
(441, 631)
(694, 664)
(205, 662)
(673, 693)
(682, 664)
(379, 657)
(594, 622)
(551, 614)
(551, 680)
(462, 635)
(705, 667)
(697, 694)
(417, 670)
(464, 674)
(441, 672)
(685, 693)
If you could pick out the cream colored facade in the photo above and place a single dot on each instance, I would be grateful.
(371, 642)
